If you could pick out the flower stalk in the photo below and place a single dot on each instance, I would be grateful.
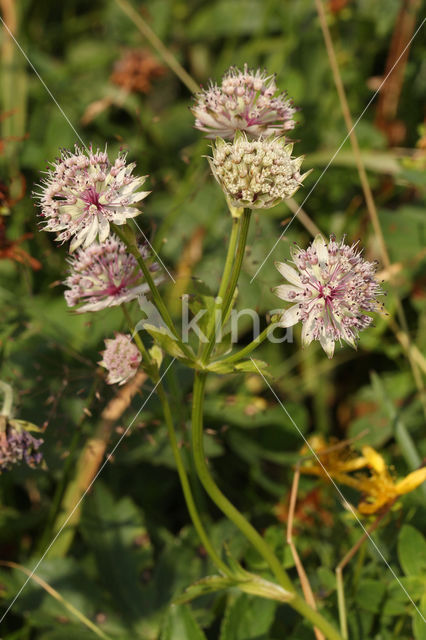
(7, 399)
(128, 237)
(230, 277)
(183, 477)
(217, 496)
(240, 521)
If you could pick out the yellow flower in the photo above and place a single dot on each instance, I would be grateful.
(375, 483)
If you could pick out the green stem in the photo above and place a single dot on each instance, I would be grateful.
(240, 521)
(135, 336)
(230, 276)
(315, 618)
(229, 258)
(341, 604)
(245, 351)
(217, 496)
(186, 488)
(229, 293)
(7, 399)
(229, 261)
(131, 245)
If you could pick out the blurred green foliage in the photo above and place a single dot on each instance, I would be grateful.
(133, 548)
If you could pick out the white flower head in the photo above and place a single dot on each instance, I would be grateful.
(121, 358)
(83, 193)
(104, 275)
(332, 287)
(245, 101)
(256, 174)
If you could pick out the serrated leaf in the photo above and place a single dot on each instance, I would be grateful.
(112, 528)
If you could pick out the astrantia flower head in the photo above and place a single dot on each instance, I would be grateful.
(104, 276)
(245, 101)
(83, 193)
(332, 288)
(257, 174)
(121, 358)
(17, 444)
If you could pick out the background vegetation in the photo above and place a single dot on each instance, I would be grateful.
(130, 547)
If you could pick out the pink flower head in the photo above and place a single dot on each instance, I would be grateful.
(121, 358)
(83, 193)
(332, 288)
(104, 275)
(18, 445)
(245, 101)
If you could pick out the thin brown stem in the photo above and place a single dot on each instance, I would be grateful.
(304, 580)
(89, 462)
(303, 217)
(388, 99)
(157, 44)
(57, 596)
(342, 564)
(368, 195)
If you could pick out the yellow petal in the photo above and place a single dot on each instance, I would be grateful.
(368, 508)
(374, 459)
(412, 481)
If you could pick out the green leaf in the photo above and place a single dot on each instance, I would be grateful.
(200, 304)
(67, 631)
(244, 580)
(327, 578)
(402, 435)
(116, 533)
(419, 625)
(167, 342)
(412, 551)
(247, 366)
(181, 625)
(247, 618)
(413, 585)
(207, 585)
(20, 425)
(370, 594)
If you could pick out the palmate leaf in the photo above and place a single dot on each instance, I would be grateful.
(112, 530)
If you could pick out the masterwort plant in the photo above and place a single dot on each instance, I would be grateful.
(333, 291)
